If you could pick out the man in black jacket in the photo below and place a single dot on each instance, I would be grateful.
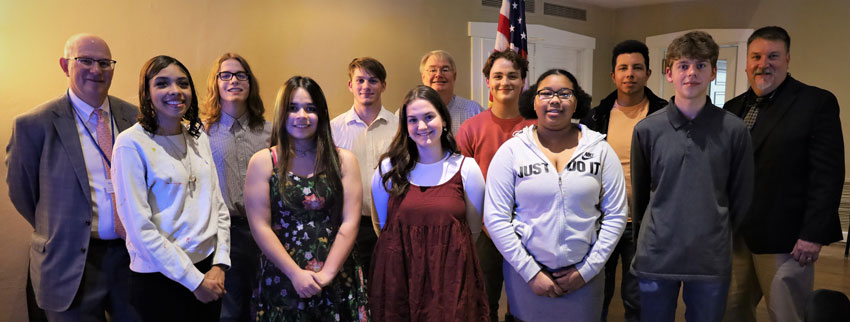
(799, 156)
(616, 116)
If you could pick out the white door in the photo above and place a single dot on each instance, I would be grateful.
(722, 89)
(548, 56)
(547, 48)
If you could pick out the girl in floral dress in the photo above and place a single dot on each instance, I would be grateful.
(302, 198)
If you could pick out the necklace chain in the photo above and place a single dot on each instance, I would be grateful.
(303, 153)
(185, 157)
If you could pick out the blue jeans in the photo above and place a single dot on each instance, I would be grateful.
(704, 300)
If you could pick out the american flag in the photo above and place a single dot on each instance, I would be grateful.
(511, 32)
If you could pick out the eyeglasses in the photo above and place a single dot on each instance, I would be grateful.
(444, 70)
(547, 94)
(105, 64)
(226, 76)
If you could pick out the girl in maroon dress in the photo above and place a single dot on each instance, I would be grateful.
(427, 198)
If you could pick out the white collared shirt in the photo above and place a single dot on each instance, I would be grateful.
(102, 226)
(367, 142)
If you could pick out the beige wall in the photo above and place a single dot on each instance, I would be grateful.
(319, 38)
(314, 38)
(818, 29)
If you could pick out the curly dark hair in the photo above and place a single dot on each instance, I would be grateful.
(402, 152)
(147, 116)
(526, 99)
(519, 63)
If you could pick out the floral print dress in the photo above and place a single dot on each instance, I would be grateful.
(303, 226)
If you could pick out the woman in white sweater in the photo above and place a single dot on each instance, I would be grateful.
(168, 199)
(555, 206)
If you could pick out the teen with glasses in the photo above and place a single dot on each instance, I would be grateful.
(237, 130)
(555, 206)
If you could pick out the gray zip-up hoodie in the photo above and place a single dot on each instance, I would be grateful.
(537, 215)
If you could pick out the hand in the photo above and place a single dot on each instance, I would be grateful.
(305, 283)
(212, 287)
(569, 280)
(216, 273)
(323, 278)
(805, 252)
(542, 285)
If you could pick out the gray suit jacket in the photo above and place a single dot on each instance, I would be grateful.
(49, 186)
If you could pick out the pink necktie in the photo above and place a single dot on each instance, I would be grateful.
(104, 140)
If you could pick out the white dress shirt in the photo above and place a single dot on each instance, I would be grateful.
(367, 142)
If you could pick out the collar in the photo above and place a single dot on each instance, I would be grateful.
(352, 117)
(226, 121)
(451, 100)
(678, 119)
(655, 102)
(84, 108)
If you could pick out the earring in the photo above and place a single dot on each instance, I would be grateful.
(445, 129)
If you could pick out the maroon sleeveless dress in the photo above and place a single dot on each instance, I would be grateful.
(424, 267)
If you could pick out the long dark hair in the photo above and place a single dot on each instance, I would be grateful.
(403, 153)
(526, 99)
(147, 117)
(327, 159)
(212, 104)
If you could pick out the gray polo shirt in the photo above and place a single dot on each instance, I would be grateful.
(692, 181)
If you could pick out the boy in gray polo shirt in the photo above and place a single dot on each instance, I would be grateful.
(692, 180)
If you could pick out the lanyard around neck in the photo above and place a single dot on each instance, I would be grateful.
(91, 136)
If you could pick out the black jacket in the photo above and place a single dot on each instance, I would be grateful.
(597, 119)
(799, 156)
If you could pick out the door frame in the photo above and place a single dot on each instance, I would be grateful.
(658, 45)
(483, 33)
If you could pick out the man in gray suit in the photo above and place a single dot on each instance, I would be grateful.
(58, 177)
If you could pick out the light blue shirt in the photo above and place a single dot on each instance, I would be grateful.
(102, 225)
(462, 109)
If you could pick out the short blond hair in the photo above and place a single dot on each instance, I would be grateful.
(439, 53)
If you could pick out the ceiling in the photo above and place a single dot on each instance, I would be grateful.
(619, 4)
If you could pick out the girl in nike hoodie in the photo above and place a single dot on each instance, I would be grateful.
(555, 217)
